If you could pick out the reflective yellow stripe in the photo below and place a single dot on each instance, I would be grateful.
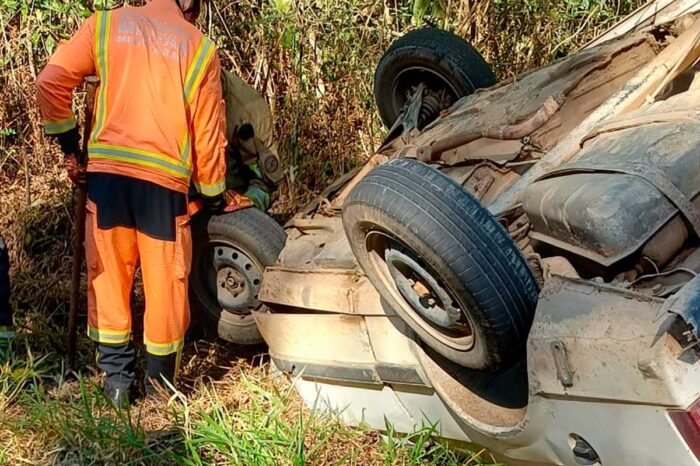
(200, 61)
(108, 336)
(103, 26)
(140, 157)
(210, 190)
(185, 151)
(166, 160)
(60, 126)
(199, 64)
(163, 349)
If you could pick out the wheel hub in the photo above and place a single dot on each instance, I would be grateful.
(405, 84)
(236, 279)
(231, 290)
(420, 291)
(231, 280)
(423, 293)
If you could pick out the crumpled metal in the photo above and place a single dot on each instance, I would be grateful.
(686, 304)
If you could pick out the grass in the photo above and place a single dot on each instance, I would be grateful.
(238, 414)
(314, 61)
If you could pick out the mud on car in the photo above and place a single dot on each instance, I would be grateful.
(518, 263)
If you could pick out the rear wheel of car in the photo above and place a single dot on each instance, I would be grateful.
(444, 62)
(230, 254)
(443, 263)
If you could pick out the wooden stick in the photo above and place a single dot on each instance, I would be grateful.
(78, 251)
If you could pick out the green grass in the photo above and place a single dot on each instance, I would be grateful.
(244, 415)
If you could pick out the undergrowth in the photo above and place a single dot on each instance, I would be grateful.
(313, 60)
(246, 417)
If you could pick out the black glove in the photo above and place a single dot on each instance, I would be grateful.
(214, 204)
(69, 141)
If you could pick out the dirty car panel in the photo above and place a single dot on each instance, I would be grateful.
(609, 228)
(629, 182)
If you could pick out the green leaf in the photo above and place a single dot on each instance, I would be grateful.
(50, 45)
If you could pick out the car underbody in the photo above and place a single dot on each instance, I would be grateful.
(591, 166)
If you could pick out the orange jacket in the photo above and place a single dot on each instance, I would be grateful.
(159, 114)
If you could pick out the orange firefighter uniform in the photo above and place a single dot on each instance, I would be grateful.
(158, 128)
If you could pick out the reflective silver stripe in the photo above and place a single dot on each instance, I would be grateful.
(160, 162)
(58, 127)
(163, 349)
(108, 336)
(210, 190)
(102, 27)
(199, 64)
(186, 151)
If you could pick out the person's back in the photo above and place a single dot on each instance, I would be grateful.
(151, 63)
(158, 128)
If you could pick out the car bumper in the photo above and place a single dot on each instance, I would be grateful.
(350, 354)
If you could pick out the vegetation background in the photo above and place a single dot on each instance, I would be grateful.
(314, 61)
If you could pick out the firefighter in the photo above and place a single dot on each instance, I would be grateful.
(7, 333)
(158, 128)
(254, 167)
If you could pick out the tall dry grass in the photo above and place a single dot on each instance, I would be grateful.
(312, 59)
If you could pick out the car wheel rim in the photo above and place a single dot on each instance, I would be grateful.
(419, 291)
(229, 278)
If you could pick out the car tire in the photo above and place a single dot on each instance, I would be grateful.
(230, 254)
(438, 58)
(443, 263)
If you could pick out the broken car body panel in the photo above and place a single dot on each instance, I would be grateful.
(623, 367)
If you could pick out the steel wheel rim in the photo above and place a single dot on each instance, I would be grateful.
(229, 278)
(412, 285)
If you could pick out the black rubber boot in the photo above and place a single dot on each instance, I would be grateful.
(117, 394)
(117, 361)
(159, 370)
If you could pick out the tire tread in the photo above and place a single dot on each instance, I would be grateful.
(464, 237)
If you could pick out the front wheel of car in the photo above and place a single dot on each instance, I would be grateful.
(443, 263)
(229, 257)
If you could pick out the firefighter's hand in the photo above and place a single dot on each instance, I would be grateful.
(69, 141)
(76, 173)
(226, 202)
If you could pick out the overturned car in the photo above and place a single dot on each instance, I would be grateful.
(518, 264)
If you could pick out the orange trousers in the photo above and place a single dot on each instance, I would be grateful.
(112, 256)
